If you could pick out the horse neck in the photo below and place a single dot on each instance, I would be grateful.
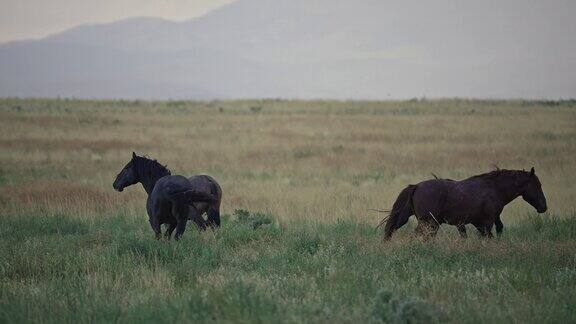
(148, 181)
(148, 185)
(507, 187)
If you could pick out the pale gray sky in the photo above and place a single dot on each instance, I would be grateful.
(24, 19)
(368, 49)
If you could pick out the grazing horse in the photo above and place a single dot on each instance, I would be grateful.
(171, 198)
(207, 184)
(478, 200)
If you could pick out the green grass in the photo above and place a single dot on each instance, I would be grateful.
(60, 268)
(298, 243)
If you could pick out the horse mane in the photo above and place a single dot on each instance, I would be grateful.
(146, 167)
(495, 174)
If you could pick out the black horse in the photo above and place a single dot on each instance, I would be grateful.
(478, 200)
(171, 198)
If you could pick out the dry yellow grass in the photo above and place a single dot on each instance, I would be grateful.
(318, 160)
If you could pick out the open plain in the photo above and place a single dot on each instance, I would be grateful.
(298, 241)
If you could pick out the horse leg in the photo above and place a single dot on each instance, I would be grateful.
(180, 212)
(180, 228)
(170, 229)
(214, 216)
(491, 216)
(429, 215)
(484, 230)
(426, 230)
(462, 231)
(433, 229)
(489, 230)
(154, 209)
(499, 225)
(195, 216)
(419, 230)
(155, 224)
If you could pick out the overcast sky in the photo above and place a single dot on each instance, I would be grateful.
(24, 19)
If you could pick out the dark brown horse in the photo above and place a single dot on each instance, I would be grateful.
(478, 200)
(172, 199)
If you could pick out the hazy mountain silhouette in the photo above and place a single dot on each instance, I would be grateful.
(310, 49)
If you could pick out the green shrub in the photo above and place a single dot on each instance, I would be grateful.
(254, 220)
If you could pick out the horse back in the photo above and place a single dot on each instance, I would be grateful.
(170, 183)
(432, 193)
(466, 201)
(205, 183)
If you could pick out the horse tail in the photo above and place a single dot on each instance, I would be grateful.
(401, 211)
(213, 212)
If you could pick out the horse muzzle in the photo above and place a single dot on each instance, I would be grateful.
(542, 210)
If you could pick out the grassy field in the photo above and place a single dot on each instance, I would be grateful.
(72, 249)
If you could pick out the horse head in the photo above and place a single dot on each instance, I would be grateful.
(127, 176)
(532, 192)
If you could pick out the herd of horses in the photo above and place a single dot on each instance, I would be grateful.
(478, 200)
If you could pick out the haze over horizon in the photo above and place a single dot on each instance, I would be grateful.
(338, 49)
(30, 19)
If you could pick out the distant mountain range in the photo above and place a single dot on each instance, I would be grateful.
(369, 49)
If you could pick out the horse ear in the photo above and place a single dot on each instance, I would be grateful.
(133, 155)
(532, 172)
